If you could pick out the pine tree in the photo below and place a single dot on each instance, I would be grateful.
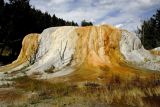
(150, 32)
(18, 18)
(86, 23)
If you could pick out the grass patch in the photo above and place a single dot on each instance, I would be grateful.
(133, 92)
(44, 88)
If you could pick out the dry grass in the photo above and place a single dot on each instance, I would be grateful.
(44, 88)
(83, 89)
(9, 95)
(134, 92)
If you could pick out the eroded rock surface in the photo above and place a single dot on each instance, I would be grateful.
(66, 49)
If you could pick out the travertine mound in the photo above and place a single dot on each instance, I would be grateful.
(29, 47)
(66, 50)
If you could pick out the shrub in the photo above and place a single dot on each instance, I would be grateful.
(50, 70)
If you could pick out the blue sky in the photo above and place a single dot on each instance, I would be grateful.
(127, 14)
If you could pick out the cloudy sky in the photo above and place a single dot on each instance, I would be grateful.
(126, 14)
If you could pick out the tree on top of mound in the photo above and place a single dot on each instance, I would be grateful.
(86, 23)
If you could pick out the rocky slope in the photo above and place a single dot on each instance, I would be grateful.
(67, 66)
(63, 50)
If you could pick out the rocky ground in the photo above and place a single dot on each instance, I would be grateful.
(94, 66)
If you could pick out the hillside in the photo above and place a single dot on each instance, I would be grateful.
(95, 56)
(19, 18)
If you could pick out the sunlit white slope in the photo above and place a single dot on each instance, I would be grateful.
(133, 51)
(66, 49)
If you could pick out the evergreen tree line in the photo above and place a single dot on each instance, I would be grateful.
(86, 23)
(17, 19)
(150, 31)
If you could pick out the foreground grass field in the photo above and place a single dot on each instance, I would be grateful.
(29, 92)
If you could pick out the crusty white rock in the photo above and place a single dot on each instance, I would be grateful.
(133, 51)
(65, 49)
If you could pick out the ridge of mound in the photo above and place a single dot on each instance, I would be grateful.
(89, 51)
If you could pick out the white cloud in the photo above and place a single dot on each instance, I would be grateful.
(119, 25)
(116, 12)
(59, 2)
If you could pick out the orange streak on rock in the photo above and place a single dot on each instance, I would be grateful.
(29, 46)
(98, 67)
(154, 52)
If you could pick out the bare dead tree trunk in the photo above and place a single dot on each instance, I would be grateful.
(62, 52)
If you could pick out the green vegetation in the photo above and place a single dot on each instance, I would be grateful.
(150, 32)
(17, 19)
(86, 23)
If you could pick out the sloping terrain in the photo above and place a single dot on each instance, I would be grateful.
(71, 47)
(101, 54)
